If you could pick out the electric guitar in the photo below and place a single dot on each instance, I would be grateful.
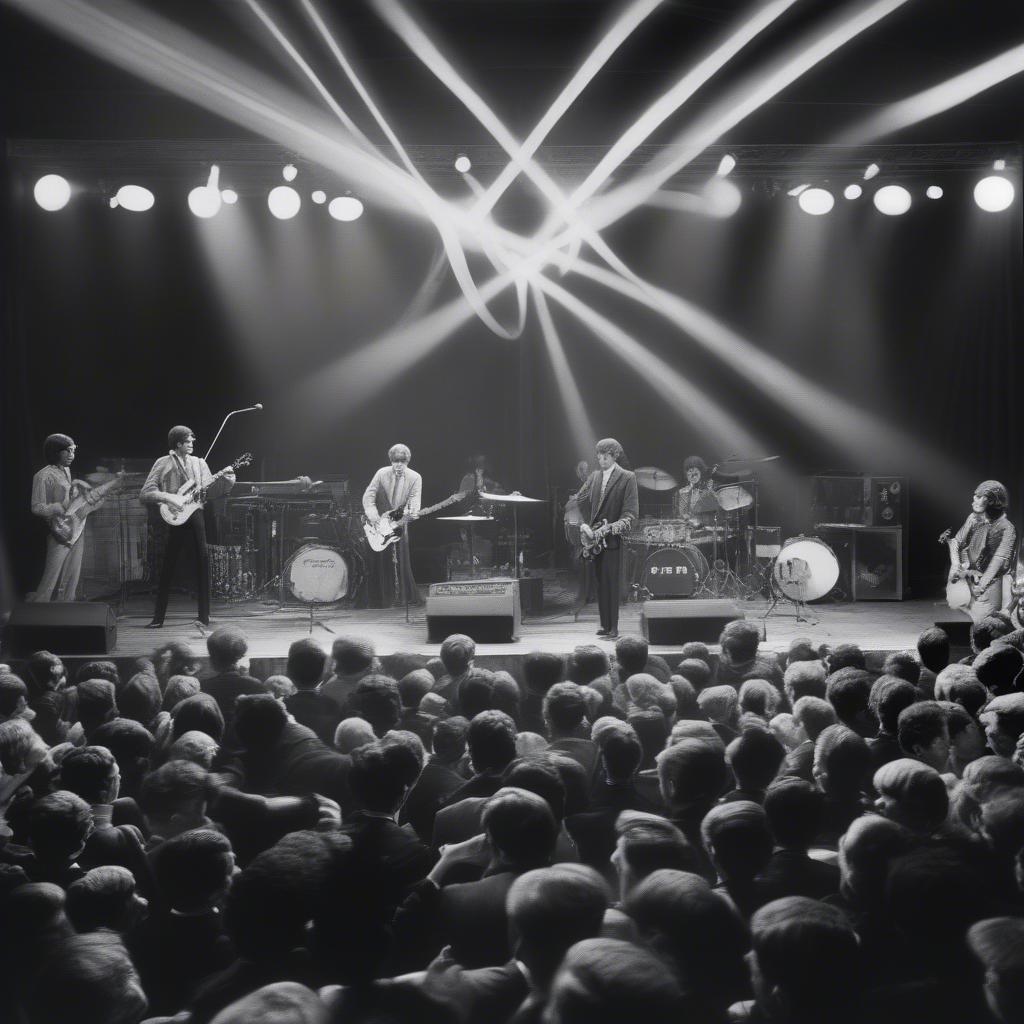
(959, 591)
(385, 532)
(594, 539)
(193, 495)
(67, 526)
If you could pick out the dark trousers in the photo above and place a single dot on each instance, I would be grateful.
(194, 527)
(607, 570)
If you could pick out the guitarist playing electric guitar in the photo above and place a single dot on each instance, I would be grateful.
(169, 475)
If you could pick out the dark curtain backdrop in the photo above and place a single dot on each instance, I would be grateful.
(117, 326)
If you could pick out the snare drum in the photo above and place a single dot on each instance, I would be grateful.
(806, 568)
(674, 572)
(318, 574)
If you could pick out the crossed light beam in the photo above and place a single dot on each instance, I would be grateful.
(166, 54)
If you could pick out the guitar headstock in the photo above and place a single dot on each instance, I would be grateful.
(946, 534)
(245, 459)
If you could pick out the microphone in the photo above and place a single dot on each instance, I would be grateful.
(258, 407)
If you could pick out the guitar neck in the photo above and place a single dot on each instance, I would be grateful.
(442, 504)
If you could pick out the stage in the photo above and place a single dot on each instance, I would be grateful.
(878, 627)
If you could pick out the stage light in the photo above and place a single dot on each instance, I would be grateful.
(994, 193)
(345, 208)
(723, 197)
(726, 165)
(871, 171)
(999, 165)
(134, 198)
(934, 192)
(853, 191)
(816, 201)
(892, 200)
(463, 164)
(52, 192)
(796, 191)
(205, 200)
(284, 202)
(290, 172)
(230, 196)
(319, 197)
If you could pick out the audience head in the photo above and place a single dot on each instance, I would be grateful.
(541, 670)
(179, 688)
(22, 749)
(58, 826)
(175, 657)
(140, 699)
(988, 629)
(492, 741)
(97, 703)
(740, 641)
(381, 775)
(646, 843)
(306, 664)
(193, 870)
(755, 757)
(759, 697)
(841, 763)
(814, 715)
(259, 721)
(1003, 719)
(697, 671)
(131, 744)
(226, 645)
(449, 741)
(195, 746)
(903, 665)
(280, 687)
(866, 849)
(801, 649)
(352, 655)
(933, 648)
(845, 656)
(540, 776)
(794, 810)
(98, 670)
(45, 673)
(923, 733)
(737, 839)
(889, 696)
(692, 774)
(474, 693)
(173, 798)
(91, 773)
(721, 704)
(588, 662)
(998, 946)
(14, 699)
(631, 655)
(912, 794)
(457, 653)
(414, 686)
(621, 754)
(804, 679)
(376, 699)
(998, 668)
(520, 829)
(201, 712)
(105, 897)
(353, 733)
(505, 694)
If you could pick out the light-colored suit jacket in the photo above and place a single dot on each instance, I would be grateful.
(386, 491)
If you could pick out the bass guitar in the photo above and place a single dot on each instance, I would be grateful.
(193, 495)
(386, 531)
(594, 539)
(960, 582)
(67, 526)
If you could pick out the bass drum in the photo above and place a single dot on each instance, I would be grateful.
(674, 572)
(805, 569)
(318, 574)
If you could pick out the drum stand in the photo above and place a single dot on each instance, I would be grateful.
(718, 583)
(801, 609)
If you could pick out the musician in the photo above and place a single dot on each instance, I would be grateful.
(478, 477)
(609, 494)
(53, 489)
(700, 482)
(984, 547)
(169, 473)
(393, 487)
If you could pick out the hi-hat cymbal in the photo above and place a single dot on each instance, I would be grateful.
(515, 496)
(467, 519)
(653, 479)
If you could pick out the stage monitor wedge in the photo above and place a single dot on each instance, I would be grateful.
(489, 611)
(679, 622)
(61, 627)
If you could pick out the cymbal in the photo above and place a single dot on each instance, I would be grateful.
(467, 519)
(733, 498)
(514, 497)
(653, 479)
(749, 462)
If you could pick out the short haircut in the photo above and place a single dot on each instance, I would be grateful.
(809, 951)
(306, 663)
(12, 691)
(58, 826)
(696, 670)
(449, 740)
(200, 711)
(889, 696)
(609, 446)
(621, 753)
(759, 697)
(140, 698)
(457, 651)
(98, 670)
(376, 699)
(414, 686)
(178, 435)
(475, 692)
(631, 654)
(844, 757)
(193, 746)
(587, 663)
(21, 747)
(352, 654)
(921, 801)
(801, 649)
(381, 774)
(737, 835)
(988, 629)
(536, 775)
(505, 693)
(178, 689)
(804, 679)
(171, 787)
(794, 809)
(921, 724)
(694, 770)
(492, 741)
(933, 647)
(89, 979)
(541, 670)
(520, 827)
(565, 707)
(43, 669)
(89, 772)
(127, 740)
(755, 757)
(99, 898)
(193, 868)
(412, 743)
(740, 640)
(903, 664)
(602, 981)
(647, 692)
(998, 945)
(96, 702)
(998, 668)
(399, 453)
(848, 690)
(353, 733)
(226, 645)
(695, 649)
(720, 703)
(846, 656)
(54, 445)
(815, 715)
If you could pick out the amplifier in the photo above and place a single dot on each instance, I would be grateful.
(63, 627)
(489, 611)
(678, 622)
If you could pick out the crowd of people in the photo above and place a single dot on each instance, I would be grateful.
(800, 837)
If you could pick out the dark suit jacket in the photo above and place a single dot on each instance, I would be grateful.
(316, 712)
(621, 500)
(436, 783)
(792, 873)
(226, 687)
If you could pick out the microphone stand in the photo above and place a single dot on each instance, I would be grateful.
(258, 407)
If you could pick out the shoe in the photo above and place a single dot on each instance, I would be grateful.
(612, 634)
(602, 632)
(154, 625)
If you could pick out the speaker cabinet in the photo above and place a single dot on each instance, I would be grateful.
(679, 621)
(489, 611)
(63, 627)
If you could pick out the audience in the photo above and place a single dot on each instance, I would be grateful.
(589, 841)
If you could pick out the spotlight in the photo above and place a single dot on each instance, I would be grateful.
(892, 200)
(345, 208)
(463, 164)
(934, 192)
(134, 198)
(723, 197)
(205, 200)
(230, 196)
(870, 171)
(816, 201)
(853, 191)
(52, 192)
(994, 193)
(319, 197)
(290, 172)
(726, 164)
(284, 202)
(796, 191)
(999, 165)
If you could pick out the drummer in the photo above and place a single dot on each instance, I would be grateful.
(700, 481)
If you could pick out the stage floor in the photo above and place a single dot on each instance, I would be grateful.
(875, 626)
